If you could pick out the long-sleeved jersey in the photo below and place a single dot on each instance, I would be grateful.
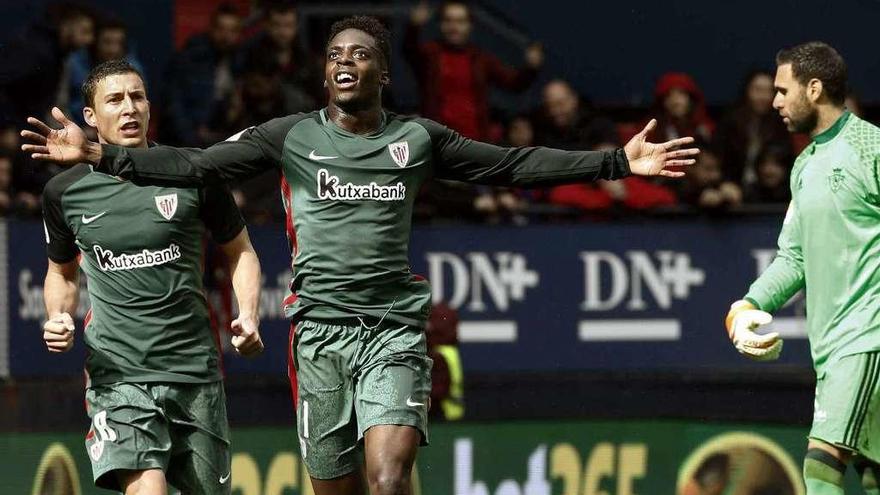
(349, 197)
(830, 242)
(141, 248)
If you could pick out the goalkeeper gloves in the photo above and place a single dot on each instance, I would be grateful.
(741, 322)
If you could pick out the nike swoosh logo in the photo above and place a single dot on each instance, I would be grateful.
(224, 479)
(87, 220)
(412, 403)
(317, 157)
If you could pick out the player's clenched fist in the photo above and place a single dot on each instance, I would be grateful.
(742, 321)
(246, 336)
(58, 333)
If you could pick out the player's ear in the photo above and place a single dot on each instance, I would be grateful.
(385, 78)
(89, 116)
(814, 89)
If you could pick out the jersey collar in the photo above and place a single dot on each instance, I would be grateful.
(832, 132)
(325, 119)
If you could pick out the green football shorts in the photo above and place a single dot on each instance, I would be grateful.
(351, 377)
(848, 403)
(179, 428)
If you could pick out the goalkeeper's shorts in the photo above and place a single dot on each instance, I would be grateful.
(847, 407)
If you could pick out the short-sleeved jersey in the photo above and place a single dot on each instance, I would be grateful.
(141, 251)
(830, 242)
(349, 197)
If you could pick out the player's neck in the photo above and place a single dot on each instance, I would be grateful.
(365, 121)
(828, 115)
(144, 145)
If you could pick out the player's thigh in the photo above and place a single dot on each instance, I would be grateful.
(390, 452)
(394, 383)
(200, 452)
(326, 422)
(147, 482)
(128, 432)
(846, 407)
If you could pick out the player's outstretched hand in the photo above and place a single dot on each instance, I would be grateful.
(58, 333)
(68, 145)
(246, 336)
(741, 322)
(657, 158)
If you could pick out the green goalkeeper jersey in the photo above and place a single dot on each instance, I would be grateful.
(830, 242)
(349, 198)
(141, 250)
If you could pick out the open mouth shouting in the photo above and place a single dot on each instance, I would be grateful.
(345, 80)
(131, 128)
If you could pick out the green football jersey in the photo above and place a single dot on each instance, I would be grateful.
(141, 250)
(349, 198)
(830, 242)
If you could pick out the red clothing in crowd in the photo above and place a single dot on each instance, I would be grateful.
(458, 109)
(697, 123)
(454, 82)
(640, 195)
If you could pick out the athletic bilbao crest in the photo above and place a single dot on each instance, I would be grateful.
(400, 153)
(167, 205)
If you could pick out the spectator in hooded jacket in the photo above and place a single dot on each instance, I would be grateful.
(680, 109)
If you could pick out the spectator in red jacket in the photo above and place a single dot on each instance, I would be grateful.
(455, 75)
(680, 109)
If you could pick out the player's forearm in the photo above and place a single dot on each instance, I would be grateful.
(246, 282)
(779, 282)
(159, 165)
(541, 167)
(548, 166)
(60, 293)
(473, 161)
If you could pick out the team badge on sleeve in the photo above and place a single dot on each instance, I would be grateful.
(400, 153)
(167, 205)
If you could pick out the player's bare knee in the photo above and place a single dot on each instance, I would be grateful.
(390, 480)
(149, 482)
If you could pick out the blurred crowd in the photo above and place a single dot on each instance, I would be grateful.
(246, 69)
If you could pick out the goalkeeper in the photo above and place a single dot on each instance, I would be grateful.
(830, 245)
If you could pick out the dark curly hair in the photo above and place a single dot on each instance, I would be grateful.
(102, 71)
(369, 25)
(817, 60)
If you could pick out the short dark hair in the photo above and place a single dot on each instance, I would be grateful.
(369, 25)
(817, 60)
(101, 72)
